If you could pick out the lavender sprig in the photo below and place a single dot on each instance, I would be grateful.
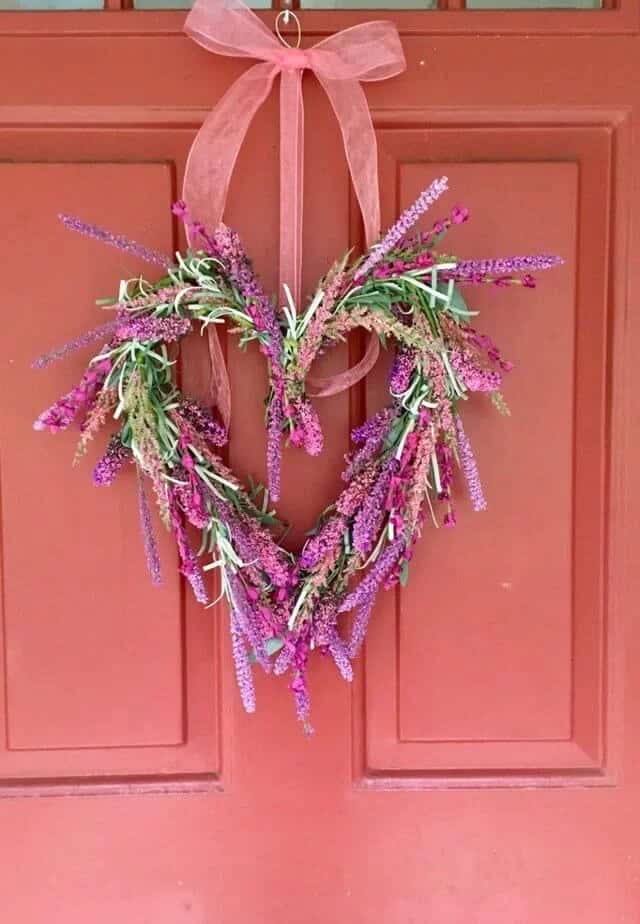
(103, 332)
(506, 265)
(244, 676)
(360, 625)
(143, 328)
(469, 468)
(406, 221)
(226, 244)
(340, 654)
(188, 560)
(366, 525)
(115, 240)
(369, 436)
(112, 462)
(325, 541)
(284, 659)
(247, 622)
(203, 422)
(274, 447)
(62, 413)
(148, 537)
(368, 586)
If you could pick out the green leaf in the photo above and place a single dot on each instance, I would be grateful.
(270, 646)
(273, 644)
(404, 574)
(457, 301)
(457, 305)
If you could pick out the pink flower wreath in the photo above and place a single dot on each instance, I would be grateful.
(397, 478)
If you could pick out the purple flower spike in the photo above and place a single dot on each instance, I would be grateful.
(61, 414)
(256, 547)
(368, 586)
(469, 468)
(149, 539)
(115, 240)
(323, 543)
(401, 371)
(168, 329)
(367, 522)
(203, 421)
(247, 620)
(369, 436)
(111, 463)
(189, 563)
(302, 701)
(360, 625)
(274, 448)
(406, 221)
(284, 659)
(244, 676)
(373, 428)
(473, 376)
(506, 265)
(226, 245)
(307, 432)
(340, 655)
(103, 332)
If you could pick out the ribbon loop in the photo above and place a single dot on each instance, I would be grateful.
(365, 52)
(368, 51)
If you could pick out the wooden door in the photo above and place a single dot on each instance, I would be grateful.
(485, 766)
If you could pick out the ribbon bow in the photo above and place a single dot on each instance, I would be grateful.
(369, 51)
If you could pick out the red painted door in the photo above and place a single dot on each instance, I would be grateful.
(485, 766)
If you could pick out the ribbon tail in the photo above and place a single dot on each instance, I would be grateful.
(350, 106)
(359, 138)
(220, 387)
(326, 387)
(216, 147)
(291, 182)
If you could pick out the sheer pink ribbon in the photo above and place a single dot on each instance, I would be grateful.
(366, 52)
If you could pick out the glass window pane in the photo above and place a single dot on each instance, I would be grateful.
(51, 4)
(368, 4)
(186, 4)
(534, 4)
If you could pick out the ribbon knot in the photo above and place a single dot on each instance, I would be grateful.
(293, 59)
(366, 52)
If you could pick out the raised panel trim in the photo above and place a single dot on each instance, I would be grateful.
(392, 763)
(192, 763)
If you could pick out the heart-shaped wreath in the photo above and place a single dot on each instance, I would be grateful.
(398, 475)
